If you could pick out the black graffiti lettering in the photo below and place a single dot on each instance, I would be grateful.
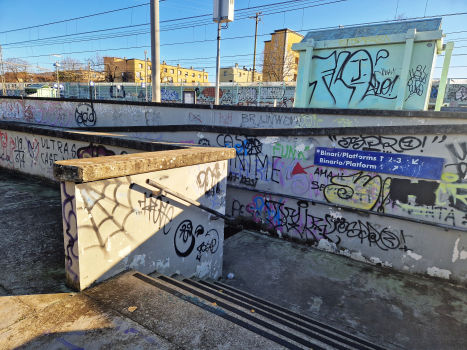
(458, 158)
(210, 244)
(416, 82)
(85, 115)
(185, 239)
(237, 208)
(356, 71)
(162, 212)
(204, 142)
(366, 232)
(248, 182)
(377, 143)
(274, 169)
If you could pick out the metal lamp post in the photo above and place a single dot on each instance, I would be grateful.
(56, 65)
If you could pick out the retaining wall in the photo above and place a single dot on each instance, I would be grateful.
(83, 113)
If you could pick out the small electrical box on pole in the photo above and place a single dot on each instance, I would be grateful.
(223, 9)
(223, 12)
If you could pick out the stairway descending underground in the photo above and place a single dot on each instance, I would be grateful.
(280, 326)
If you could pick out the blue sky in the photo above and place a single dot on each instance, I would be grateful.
(192, 41)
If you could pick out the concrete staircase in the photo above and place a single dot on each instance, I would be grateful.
(268, 326)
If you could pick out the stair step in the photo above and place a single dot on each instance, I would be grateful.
(283, 325)
(229, 290)
(173, 287)
(284, 318)
(249, 316)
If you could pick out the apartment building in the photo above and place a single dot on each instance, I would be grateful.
(136, 70)
(238, 75)
(280, 63)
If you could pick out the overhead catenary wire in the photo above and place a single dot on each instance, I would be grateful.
(110, 49)
(74, 19)
(183, 27)
(174, 27)
(145, 4)
(168, 44)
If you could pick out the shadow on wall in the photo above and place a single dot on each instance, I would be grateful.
(116, 225)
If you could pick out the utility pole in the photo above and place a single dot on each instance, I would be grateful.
(89, 72)
(155, 52)
(2, 72)
(146, 74)
(218, 61)
(223, 11)
(257, 19)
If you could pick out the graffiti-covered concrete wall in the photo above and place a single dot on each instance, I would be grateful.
(115, 224)
(84, 114)
(34, 154)
(276, 187)
(118, 223)
(259, 94)
(286, 165)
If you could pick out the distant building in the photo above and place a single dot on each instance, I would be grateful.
(238, 75)
(40, 90)
(93, 75)
(280, 63)
(135, 70)
(79, 75)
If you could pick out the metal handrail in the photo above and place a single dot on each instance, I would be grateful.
(163, 190)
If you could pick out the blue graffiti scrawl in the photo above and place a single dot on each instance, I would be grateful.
(169, 95)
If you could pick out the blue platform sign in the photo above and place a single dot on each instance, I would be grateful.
(378, 162)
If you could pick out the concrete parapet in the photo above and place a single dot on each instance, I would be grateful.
(93, 169)
(78, 113)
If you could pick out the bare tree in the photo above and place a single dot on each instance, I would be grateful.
(17, 70)
(71, 70)
(97, 62)
(97, 67)
(110, 68)
(279, 64)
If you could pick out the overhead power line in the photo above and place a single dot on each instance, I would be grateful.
(130, 7)
(168, 44)
(190, 42)
(176, 26)
(73, 19)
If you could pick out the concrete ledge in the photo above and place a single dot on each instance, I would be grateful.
(93, 169)
(330, 111)
(350, 130)
(103, 138)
